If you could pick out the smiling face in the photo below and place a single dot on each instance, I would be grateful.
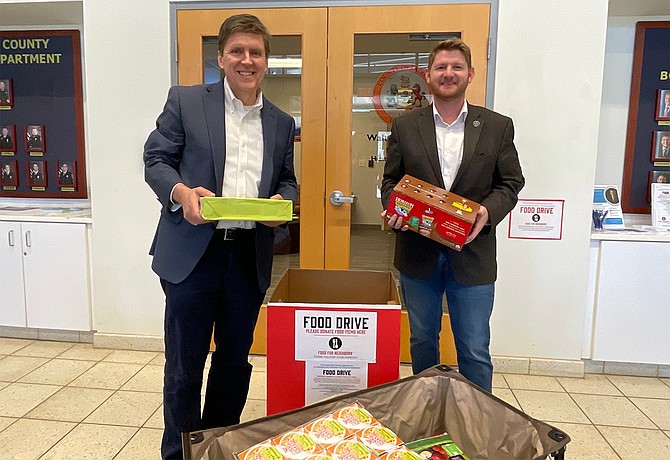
(244, 62)
(449, 75)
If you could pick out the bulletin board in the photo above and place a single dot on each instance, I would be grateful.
(648, 119)
(41, 115)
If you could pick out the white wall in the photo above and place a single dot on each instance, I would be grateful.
(548, 79)
(127, 45)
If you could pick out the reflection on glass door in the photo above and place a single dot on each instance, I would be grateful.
(282, 86)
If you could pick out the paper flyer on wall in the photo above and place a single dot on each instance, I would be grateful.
(660, 207)
(606, 199)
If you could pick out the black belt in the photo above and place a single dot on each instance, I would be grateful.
(233, 234)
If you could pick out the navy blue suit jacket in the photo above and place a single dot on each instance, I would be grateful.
(189, 146)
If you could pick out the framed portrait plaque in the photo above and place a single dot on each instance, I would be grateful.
(37, 174)
(7, 140)
(35, 141)
(45, 114)
(9, 178)
(661, 146)
(663, 105)
(6, 94)
(65, 176)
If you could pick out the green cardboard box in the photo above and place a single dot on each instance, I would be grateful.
(257, 209)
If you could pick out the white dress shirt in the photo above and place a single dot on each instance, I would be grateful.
(450, 144)
(244, 152)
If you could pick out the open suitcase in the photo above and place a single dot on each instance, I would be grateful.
(434, 401)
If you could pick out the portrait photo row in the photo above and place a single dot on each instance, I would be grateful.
(41, 115)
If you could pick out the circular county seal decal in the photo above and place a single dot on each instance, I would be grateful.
(401, 88)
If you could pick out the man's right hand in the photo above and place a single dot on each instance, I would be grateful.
(189, 199)
(395, 222)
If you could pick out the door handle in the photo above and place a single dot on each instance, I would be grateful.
(10, 237)
(337, 198)
(29, 240)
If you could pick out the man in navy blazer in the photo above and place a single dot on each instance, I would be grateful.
(220, 139)
(470, 151)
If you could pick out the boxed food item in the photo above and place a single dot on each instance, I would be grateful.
(349, 432)
(262, 451)
(401, 453)
(296, 444)
(354, 416)
(379, 439)
(327, 430)
(350, 449)
(433, 212)
(440, 447)
(256, 209)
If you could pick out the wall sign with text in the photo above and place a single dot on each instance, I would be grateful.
(536, 220)
(648, 136)
(41, 115)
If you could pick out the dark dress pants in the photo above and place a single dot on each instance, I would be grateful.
(222, 293)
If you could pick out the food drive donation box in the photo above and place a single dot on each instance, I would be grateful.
(330, 332)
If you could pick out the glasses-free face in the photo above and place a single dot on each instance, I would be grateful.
(449, 75)
(244, 62)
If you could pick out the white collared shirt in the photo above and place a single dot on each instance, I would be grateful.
(450, 144)
(244, 152)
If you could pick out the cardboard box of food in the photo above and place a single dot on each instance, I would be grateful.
(325, 325)
(433, 212)
(257, 209)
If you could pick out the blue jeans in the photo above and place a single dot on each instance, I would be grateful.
(470, 310)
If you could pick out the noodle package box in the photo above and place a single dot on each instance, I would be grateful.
(433, 212)
(257, 209)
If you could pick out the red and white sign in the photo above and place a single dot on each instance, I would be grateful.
(319, 350)
(537, 220)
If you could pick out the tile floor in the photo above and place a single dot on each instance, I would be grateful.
(62, 400)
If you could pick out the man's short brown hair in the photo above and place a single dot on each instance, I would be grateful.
(246, 23)
(449, 45)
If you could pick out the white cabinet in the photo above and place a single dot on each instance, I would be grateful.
(45, 275)
(631, 312)
(13, 309)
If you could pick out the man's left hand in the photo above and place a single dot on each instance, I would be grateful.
(273, 223)
(481, 219)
